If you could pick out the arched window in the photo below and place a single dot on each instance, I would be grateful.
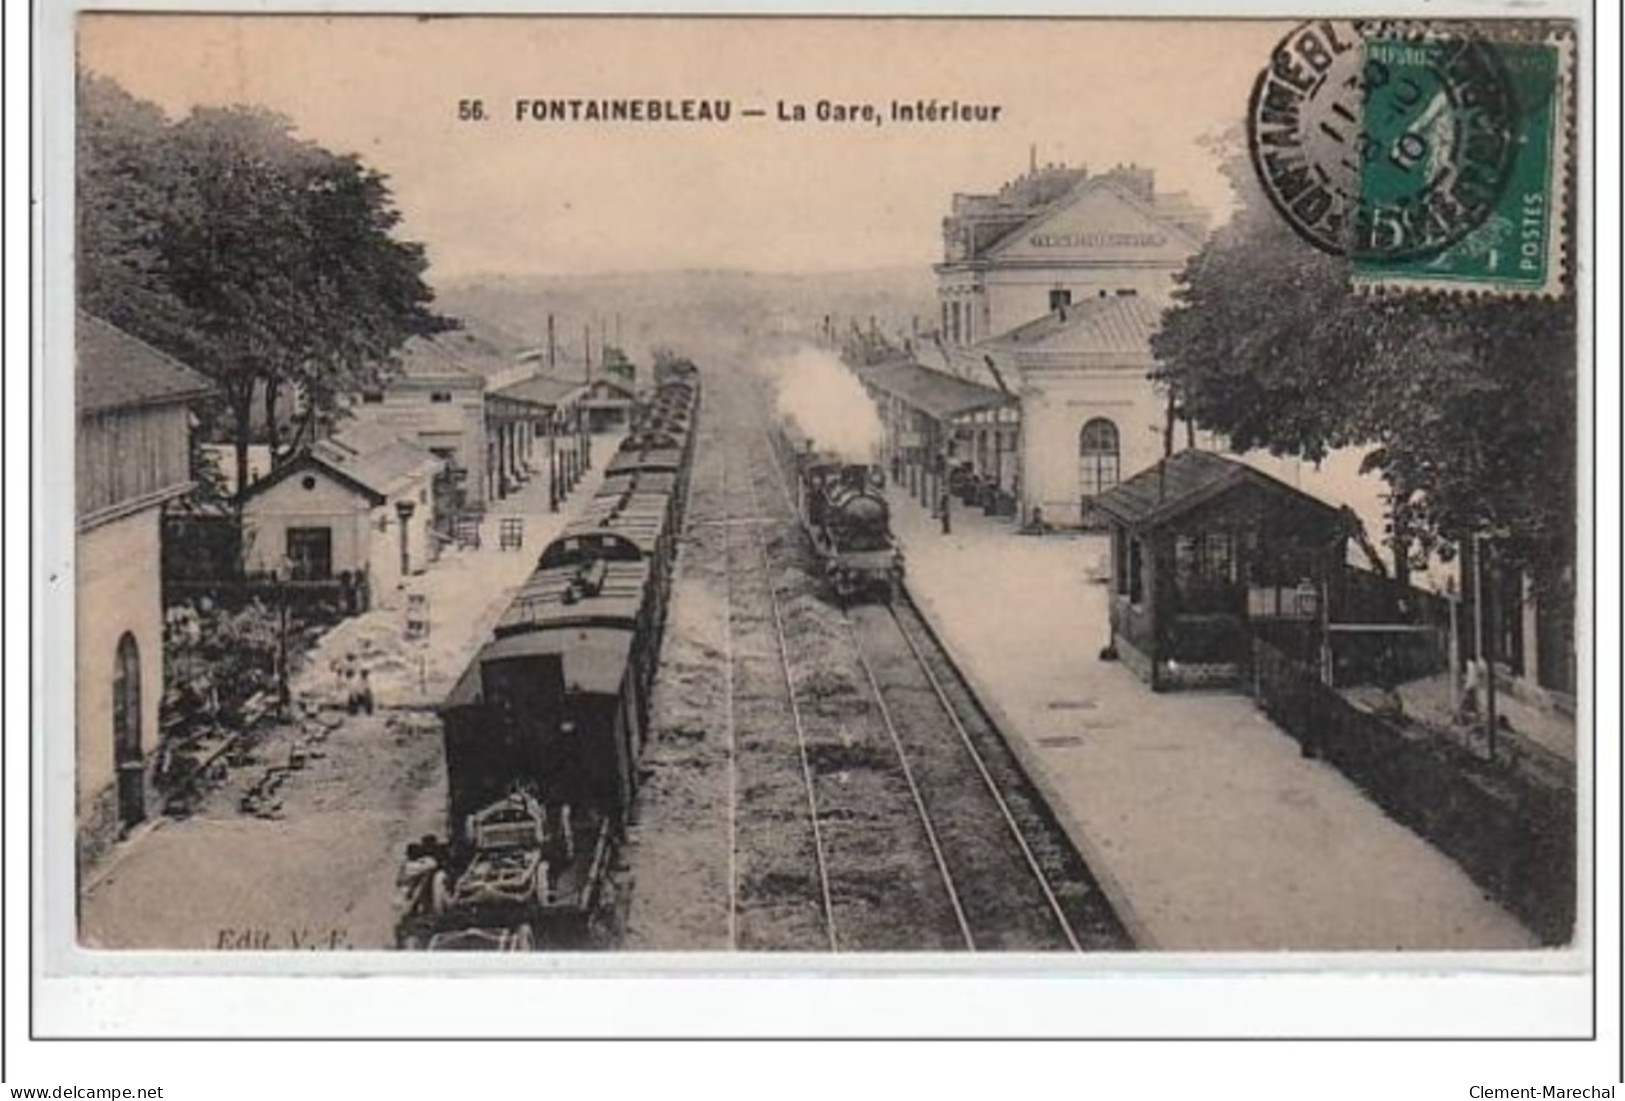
(127, 728)
(127, 694)
(1098, 468)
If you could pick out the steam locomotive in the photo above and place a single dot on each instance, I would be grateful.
(543, 730)
(842, 505)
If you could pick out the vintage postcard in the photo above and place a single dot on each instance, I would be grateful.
(1075, 489)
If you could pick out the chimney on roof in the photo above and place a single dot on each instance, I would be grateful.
(1139, 182)
(1032, 159)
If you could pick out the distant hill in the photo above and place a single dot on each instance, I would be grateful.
(692, 310)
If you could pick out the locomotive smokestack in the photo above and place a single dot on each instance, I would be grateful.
(830, 406)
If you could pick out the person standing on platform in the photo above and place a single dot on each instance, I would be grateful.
(942, 511)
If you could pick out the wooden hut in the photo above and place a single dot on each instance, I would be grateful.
(1208, 553)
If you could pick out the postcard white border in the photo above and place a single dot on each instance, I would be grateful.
(81, 993)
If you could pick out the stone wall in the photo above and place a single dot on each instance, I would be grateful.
(1513, 831)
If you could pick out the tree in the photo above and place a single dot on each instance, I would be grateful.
(124, 185)
(264, 261)
(1467, 404)
(284, 252)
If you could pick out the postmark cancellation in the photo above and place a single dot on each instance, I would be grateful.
(1434, 156)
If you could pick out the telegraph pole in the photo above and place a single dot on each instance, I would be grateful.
(1484, 593)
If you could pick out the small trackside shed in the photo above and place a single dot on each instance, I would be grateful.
(1208, 552)
(337, 512)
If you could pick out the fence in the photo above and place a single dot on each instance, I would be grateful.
(1511, 830)
(318, 601)
(1384, 657)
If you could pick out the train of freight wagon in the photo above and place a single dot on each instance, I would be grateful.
(544, 729)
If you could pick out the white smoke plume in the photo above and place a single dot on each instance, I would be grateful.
(828, 403)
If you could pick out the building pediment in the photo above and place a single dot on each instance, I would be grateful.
(1097, 225)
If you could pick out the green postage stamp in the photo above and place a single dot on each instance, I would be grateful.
(1433, 157)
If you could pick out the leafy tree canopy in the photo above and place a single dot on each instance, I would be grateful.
(263, 260)
(1468, 404)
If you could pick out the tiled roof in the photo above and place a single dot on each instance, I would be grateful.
(1116, 325)
(489, 338)
(383, 467)
(360, 437)
(114, 370)
(609, 389)
(1187, 479)
(479, 348)
(541, 390)
(932, 392)
(422, 357)
(1172, 209)
(364, 457)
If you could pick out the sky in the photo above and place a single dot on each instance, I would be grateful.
(559, 197)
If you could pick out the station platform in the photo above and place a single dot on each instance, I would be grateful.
(462, 595)
(1206, 827)
(321, 873)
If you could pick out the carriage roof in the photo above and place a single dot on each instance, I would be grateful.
(641, 531)
(662, 437)
(659, 482)
(581, 542)
(663, 458)
(557, 597)
(594, 659)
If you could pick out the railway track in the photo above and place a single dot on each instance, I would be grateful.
(873, 806)
(859, 862)
(1020, 884)
(1013, 880)
(778, 877)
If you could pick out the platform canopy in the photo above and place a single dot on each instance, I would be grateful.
(1183, 482)
(532, 397)
(938, 395)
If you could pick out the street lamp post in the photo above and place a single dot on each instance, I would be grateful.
(404, 510)
(552, 467)
(284, 696)
(552, 463)
(1484, 588)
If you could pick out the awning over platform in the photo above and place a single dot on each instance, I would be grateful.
(535, 395)
(1182, 482)
(938, 395)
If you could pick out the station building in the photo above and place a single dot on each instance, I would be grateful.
(1057, 236)
(356, 506)
(1090, 415)
(1050, 290)
(133, 457)
(469, 397)
(436, 401)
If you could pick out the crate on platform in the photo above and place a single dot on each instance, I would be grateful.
(512, 533)
(417, 616)
(466, 532)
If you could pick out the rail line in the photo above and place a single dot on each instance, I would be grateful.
(732, 733)
(999, 920)
(800, 727)
(939, 858)
(980, 761)
(1059, 884)
(914, 791)
(738, 750)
